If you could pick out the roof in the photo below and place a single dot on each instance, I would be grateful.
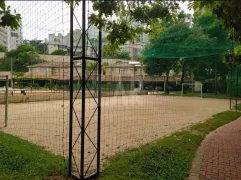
(5, 73)
(53, 64)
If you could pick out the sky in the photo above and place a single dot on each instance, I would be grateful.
(40, 18)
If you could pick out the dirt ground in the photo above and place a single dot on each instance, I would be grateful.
(126, 121)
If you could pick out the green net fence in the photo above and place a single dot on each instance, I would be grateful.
(180, 41)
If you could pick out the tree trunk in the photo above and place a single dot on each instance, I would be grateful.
(167, 82)
(183, 73)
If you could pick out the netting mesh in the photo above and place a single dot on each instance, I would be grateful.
(37, 97)
(181, 41)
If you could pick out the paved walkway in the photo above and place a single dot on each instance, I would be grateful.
(219, 156)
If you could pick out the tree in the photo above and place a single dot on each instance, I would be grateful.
(213, 27)
(21, 57)
(158, 67)
(38, 45)
(117, 55)
(189, 45)
(59, 52)
(227, 11)
(3, 48)
(8, 19)
(132, 18)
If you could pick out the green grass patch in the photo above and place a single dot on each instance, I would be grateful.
(215, 122)
(167, 158)
(22, 160)
(205, 95)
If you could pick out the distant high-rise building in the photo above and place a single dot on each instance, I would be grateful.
(4, 36)
(62, 42)
(11, 38)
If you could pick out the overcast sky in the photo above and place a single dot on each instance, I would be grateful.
(40, 18)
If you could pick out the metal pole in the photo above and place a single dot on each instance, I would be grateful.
(6, 103)
(182, 90)
(201, 90)
(71, 90)
(236, 88)
(215, 85)
(230, 88)
(99, 103)
(82, 153)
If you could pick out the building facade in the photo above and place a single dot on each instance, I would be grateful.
(11, 38)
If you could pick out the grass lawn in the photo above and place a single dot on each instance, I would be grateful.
(22, 160)
(169, 158)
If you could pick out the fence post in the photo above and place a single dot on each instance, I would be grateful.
(237, 80)
(6, 102)
(230, 88)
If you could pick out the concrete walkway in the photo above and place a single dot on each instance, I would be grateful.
(219, 156)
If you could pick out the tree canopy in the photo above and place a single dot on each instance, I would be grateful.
(205, 37)
(3, 48)
(117, 55)
(21, 57)
(59, 52)
(192, 49)
(38, 45)
(7, 18)
(227, 11)
(132, 18)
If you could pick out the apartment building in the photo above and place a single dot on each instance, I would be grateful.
(4, 36)
(11, 38)
(62, 42)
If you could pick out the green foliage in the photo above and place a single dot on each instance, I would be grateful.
(205, 70)
(132, 18)
(92, 66)
(22, 160)
(233, 82)
(228, 12)
(7, 18)
(158, 67)
(21, 57)
(237, 55)
(18, 75)
(59, 52)
(40, 47)
(216, 121)
(196, 49)
(167, 158)
(49, 85)
(3, 48)
(118, 55)
(181, 40)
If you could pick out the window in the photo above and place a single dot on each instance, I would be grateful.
(117, 70)
(46, 70)
(37, 70)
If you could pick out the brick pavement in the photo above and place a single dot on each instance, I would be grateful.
(219, 156)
